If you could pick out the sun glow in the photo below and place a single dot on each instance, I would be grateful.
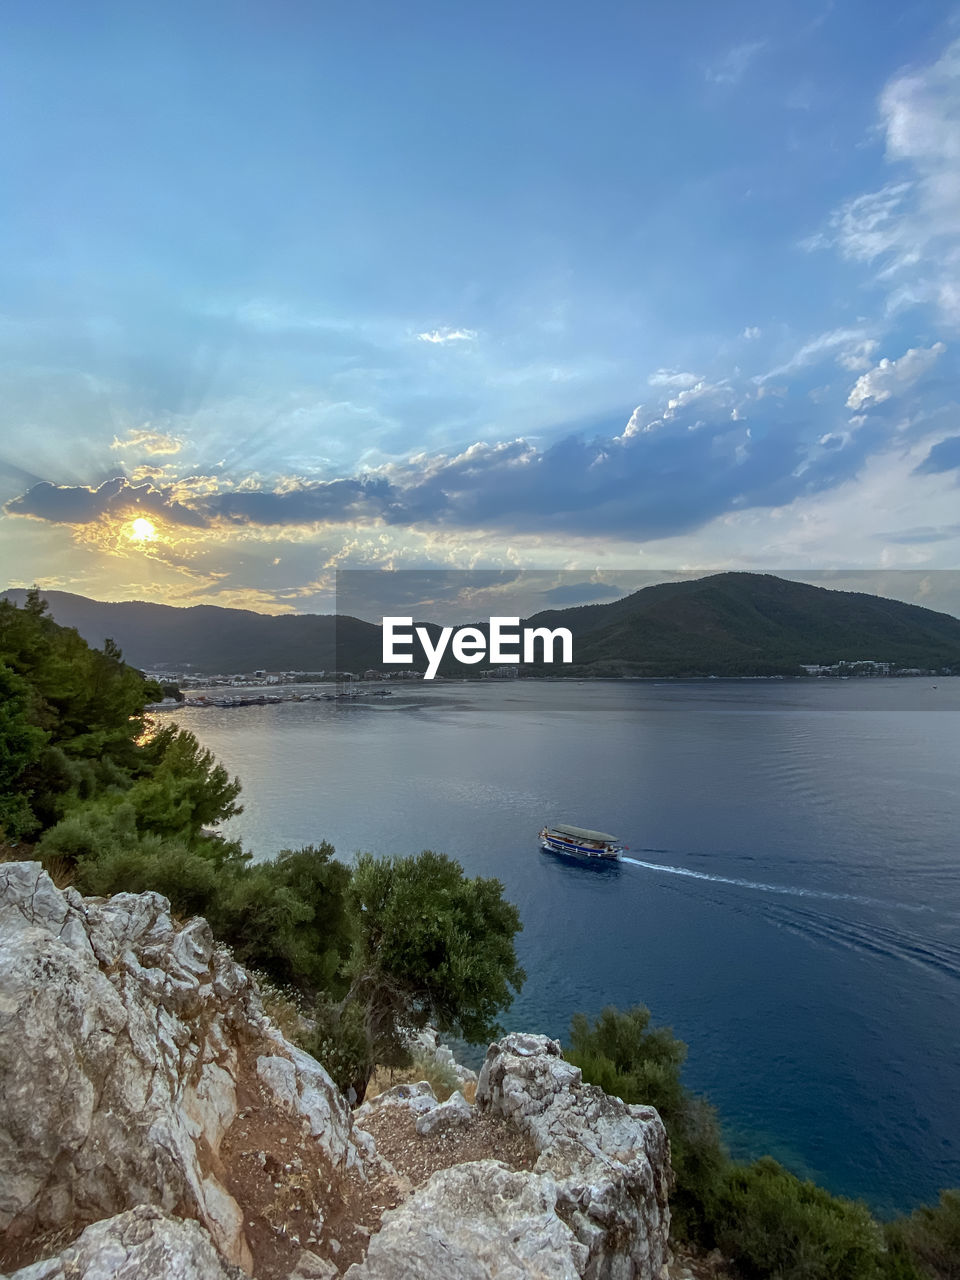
(142, 530)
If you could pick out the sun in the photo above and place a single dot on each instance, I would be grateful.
(142, 530)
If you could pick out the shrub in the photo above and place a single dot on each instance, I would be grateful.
(928, 1241)
(770, 1223)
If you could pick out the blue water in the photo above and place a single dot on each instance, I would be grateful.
(790, 901)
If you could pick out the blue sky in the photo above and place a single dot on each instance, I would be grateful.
(307, 285)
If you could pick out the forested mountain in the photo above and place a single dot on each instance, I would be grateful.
(725, 624)
(752, 624)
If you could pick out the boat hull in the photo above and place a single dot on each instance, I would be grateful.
(565, 849)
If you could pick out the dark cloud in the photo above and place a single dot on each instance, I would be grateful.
(78, 504)
(669, 480)
(944, 456)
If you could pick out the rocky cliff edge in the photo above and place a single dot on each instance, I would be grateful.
(155, 1123)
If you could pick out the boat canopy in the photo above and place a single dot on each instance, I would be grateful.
(581, 833)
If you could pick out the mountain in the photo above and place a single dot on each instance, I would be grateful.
(725, 624)
(752, 624)
(209, 640)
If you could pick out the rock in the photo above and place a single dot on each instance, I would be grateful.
(475, 1222)
(446, 1115)
(425, 1045)
(142, 1244)
(610, 1161)
(419, 1097)
(123, 1041)
(310, 1266)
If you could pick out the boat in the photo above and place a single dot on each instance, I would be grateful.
(580, 842)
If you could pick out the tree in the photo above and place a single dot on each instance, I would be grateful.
(432, 946)
(88, 703)
(181, 789)
(21, 742)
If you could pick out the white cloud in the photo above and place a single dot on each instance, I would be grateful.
(637, 425)
(152, 442)
(719, 393)
(441, 336)
(909, 230)
(858, 355)
(672, 378)
(891, 377)
(732, 67)
(851, 347)
(751, 331)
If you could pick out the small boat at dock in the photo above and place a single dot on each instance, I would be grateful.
(580, 842)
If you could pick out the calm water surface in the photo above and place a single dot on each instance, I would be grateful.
(792, 903)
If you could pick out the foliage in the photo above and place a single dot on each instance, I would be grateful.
(21, 743)
(180, 788)
(289, 917)
(339, 1041)
(770, 1223)
(284, 1006)
(432, 946)
(928, 1241)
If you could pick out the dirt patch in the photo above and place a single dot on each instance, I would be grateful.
(292, 1197)
(484, 1137)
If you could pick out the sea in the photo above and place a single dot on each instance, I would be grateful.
(789, 902)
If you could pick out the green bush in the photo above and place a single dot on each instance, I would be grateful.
(340, 1042)
(928, 1241)
(770, 1223)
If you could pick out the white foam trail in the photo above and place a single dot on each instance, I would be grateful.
(791, 890)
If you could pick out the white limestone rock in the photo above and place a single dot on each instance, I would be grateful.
(122, 1041)
(142, 1244)
(479, 1221)
(418, 1098)
(610, 1161)
(451, 1114)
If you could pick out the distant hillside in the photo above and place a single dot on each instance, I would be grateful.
(209, 640)
(752, 624)
(726, 624)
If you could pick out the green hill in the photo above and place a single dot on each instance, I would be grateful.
(752, 624)
(209, 640)
(731, 624)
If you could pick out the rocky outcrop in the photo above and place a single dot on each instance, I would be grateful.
(418, 1097)
(142, 1085)
(128, 1046)
(610, 1161)
(594, 1205)
(425, 1047)
(144, 1242)
(454, 1112)
(475, 1222)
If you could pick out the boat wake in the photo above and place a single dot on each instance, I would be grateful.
(878, 939)
(875, 937)
(789, 890)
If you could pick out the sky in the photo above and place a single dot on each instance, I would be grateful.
(599, 288)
